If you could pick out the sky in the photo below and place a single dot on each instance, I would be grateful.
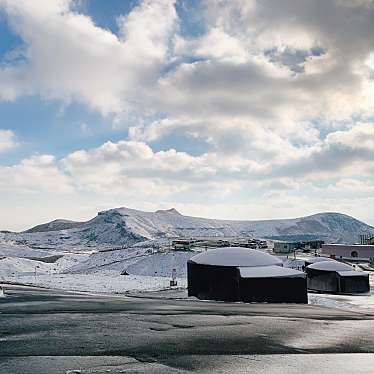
(232, 109)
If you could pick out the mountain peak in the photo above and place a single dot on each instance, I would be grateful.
(171, 211)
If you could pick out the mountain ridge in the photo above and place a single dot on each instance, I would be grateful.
(124, 226)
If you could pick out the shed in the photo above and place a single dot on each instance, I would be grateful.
(241, 274)
(336, 277)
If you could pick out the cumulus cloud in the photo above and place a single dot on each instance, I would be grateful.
(68, 57)
(7, 140)
(35, 175)
(348, 152)
(284, 104)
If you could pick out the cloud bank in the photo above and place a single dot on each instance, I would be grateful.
(280, 94)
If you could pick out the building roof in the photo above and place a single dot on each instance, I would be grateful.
(313, 260)
(271, 271)
(235, 256)
(353, 246)
(330, 266)
(352, 273)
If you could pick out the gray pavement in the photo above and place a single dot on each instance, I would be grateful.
(45, 331)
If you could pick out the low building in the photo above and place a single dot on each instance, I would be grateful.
(183, 244)
(345, 251)
(285, 247)
(311, 244)
(336, 277)
(240, 274)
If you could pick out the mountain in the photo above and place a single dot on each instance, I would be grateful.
(123, 226)
(57, 224)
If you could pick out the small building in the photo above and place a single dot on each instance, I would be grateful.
(311, 244)
(183, 244)
(336, 277)
(285, 247)
(367, 239)
(346, 251)
(241, 274)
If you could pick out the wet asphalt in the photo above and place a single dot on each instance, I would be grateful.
(46, 331)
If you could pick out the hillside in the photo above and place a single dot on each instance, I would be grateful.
(56, 225)
(123, 227)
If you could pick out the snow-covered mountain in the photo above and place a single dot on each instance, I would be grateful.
(123, 226)
(57, 224)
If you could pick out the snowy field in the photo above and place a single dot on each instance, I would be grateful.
(99, 272)
(106, 282)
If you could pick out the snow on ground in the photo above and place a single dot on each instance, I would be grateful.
(10, 266)
(106, 282)
(98, 273)
(14, 265)
(116, 260)
(362, 301)
(162, 264)
(15, 250)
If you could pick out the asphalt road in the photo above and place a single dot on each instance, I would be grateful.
(44, 331)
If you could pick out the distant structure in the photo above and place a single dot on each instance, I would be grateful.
(240, 274)
(345, 251)
(367, 239)
(183, 244)
(336, 277)
(288, 247)
(284, 247)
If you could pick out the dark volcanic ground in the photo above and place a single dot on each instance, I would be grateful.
(44, 331)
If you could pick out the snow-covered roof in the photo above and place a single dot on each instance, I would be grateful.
(235, 256)
(352, 273)
(313, 260)
(330, 266)
(271, 271)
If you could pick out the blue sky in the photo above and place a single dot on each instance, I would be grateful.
(223, 109)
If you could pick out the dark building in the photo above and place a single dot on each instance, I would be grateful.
(336, 277)
(240, 274)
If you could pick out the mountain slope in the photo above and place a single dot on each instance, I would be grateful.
(56, 225)
(123, 226)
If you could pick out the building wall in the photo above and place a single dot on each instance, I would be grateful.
(332, 282)
(213, 282)
(274, 290)
(354, 284)
(341, 250)
(323, 281)
(224, 283)
(284, 247)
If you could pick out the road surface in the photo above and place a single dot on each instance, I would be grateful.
(46, 332)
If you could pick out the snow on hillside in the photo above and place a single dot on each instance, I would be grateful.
(162, 264)
(58, 224)
(14, 250)
(125, 227)
(110, 260)
(18, 266)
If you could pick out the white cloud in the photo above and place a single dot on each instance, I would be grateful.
(284, 104)
(35, 175)
(68, 57)
(7, 140)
